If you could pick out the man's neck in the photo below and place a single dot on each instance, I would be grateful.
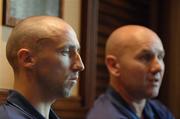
(35, 98)
(44, 109)
(138, 107)
(136, 104)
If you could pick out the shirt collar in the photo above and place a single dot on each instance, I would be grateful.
(17, 100)
(123, 106)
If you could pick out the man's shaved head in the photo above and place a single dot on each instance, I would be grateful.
(124, 36)
(134, 57)
(30, 32)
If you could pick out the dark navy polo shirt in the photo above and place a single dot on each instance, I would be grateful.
(17, 107)
(111, 106)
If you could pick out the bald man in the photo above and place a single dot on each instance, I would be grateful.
(134, 58)
(44, 54)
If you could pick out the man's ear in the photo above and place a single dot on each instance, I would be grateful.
(113, 65)
(25, 58)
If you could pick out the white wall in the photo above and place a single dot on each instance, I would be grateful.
(6, 75)
(72, 14)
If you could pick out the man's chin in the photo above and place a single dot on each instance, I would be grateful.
(69, 84)
(67, 92)
(153, 94)
(67, 95)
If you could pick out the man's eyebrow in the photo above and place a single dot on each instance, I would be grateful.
(71, 47)
(162, 52)
(146, 51)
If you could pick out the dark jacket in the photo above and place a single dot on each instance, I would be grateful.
(17, 107)
(111, 106)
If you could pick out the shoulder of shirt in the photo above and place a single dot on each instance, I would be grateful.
(3, 112)
(157, 104)
(98, 109)
(161, 109)
(8, 111)
(103, 109)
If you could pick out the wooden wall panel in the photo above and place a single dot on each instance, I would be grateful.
(170, 31)
(3, 95)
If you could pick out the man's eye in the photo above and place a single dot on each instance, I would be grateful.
(146, 58)
(161, 57)
(65, 52)
(68, 52)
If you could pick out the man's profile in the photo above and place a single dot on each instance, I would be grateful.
(44, 54)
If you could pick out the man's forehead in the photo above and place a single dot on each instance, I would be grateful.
(157, 50)
(147, 40)
(144, 46)
(68, 38)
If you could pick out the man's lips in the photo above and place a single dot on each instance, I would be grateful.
(74, 78)
(154, 82)
(69, 84)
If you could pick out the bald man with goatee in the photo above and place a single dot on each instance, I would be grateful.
(134, 58)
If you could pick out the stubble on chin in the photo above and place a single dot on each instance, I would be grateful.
(68, 86)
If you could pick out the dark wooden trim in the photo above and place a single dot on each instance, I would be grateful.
(3, 95)
(69, 108)
(88, 52)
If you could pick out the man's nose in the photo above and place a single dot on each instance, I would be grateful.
(157, 66)
(78, 64)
